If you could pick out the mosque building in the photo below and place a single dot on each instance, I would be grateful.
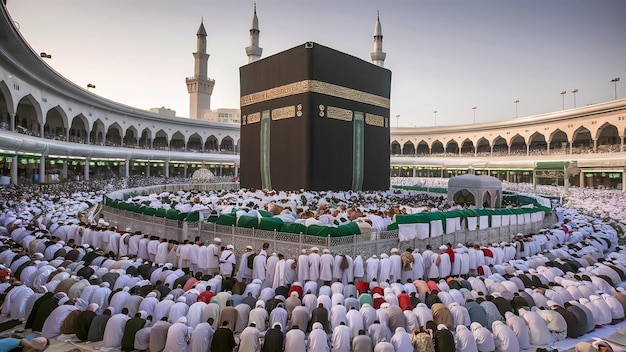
(69, 132)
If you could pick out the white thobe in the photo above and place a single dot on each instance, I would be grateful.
(444, 265)
(294, 341)
(303, 268)
(213, 257)
(483, 337)
(326, 267)
(201, 338)
(259, 266)
(318, 339)
(537, 328)
(384, 269)
(114, 331)
(464, 340)
(520, 329)
(504, 338)
(194, 314)
(395, 269)
(177, 336)
(249, 340)
(314, 266)
(341, 339)
(52, 325)
(372, 269)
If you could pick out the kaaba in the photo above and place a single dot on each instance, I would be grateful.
(314, 118)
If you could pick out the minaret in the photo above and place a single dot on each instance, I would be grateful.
(254, 51)
(378, 56)
(199, 85)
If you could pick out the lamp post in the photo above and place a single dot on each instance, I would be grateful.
(45, 55)
(397, 120)
(615, 80)
(563, 92)
(474, 108)
(435, 112)
(516, 101)
(574, 91)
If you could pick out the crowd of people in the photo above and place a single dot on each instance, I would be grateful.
(326, 208)
(125, 290)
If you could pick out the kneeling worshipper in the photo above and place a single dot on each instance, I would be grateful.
(83, 321)
(223, 339)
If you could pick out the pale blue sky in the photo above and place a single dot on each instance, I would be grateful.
(445, 55)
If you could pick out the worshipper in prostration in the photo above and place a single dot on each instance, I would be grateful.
(250, 339)
(294, 340)
(443, 339)
(178, 336)
(158, 335)
(114, 330)
(133, 325)
(274, 339)
(318, 339)
(223, 339)
(361, 342)
(84, 320)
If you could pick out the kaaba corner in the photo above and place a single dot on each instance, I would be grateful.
(314, 118)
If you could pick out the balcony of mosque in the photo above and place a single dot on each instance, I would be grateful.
(583, 148)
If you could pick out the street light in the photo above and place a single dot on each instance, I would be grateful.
(397, 120)
(574, 91)
(516, 101)
(91, 85)
(435, 112)
(615, 80)
(474, 108)
(45, 55)
(563, 92)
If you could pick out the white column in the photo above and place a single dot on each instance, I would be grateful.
(595, 145)
(127, 168)
(12, 122)
(148, 169)
(64, 169)
(167, 168)
(221, 166)
(571, 147)
(185, 170)
(42, 169)
(581, 178)
(623, 179)
(236, 170)
(86, 172)
(14, 166)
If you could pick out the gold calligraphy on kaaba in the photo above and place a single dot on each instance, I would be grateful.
(333, 112)
(375, 120)
(284, 113)
(254, 117)
(314, 86)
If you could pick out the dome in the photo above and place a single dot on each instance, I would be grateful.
(475, 181)
(202, 174)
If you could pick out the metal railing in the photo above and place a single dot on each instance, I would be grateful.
(291, 244)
